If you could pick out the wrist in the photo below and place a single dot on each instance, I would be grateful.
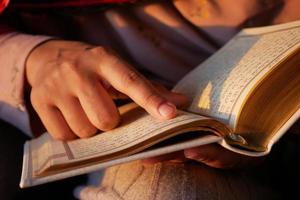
(35, 59)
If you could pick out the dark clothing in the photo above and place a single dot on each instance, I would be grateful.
(11, 152)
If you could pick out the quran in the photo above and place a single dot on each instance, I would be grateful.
(244, 97)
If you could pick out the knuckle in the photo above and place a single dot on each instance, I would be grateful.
(101, 51)
(86, 132)
(87, 89)
(107, 124)
(50, 84)
(131, 78)
(37, 99)
(64, 136)
(68, 67)
(106, 57)
(72, 73)
(152, 99)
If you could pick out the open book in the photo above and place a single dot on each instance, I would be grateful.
(244, 97)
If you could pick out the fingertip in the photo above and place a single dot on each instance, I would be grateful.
(88, 132)
(167, 110)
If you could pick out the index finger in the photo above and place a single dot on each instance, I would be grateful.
(127, 80)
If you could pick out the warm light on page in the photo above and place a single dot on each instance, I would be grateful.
(204, 101)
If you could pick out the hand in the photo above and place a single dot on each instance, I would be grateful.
(73, 85)
(212, 155)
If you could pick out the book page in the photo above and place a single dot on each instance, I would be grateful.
(218, 87)
(136, 127)
(29, 179)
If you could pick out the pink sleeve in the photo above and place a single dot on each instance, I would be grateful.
(14, 50)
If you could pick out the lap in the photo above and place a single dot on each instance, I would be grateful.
(185, 181)
(191, 180)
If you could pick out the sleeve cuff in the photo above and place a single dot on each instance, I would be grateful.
(14, 50)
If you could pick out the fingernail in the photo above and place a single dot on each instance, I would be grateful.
(167, 109)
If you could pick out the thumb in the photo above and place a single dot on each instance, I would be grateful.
(217, 156)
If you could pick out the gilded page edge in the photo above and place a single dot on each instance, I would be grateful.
(267, 29)
(272, 141)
